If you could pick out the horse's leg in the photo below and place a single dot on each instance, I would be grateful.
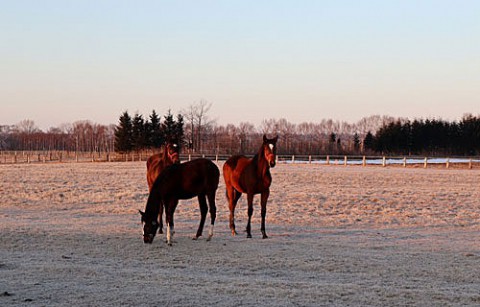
(160, 218)
(264, 199)
(213, 213)
(233, 196)
(202, 201)
(169, 210)
(250, 213)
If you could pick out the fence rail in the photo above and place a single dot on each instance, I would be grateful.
(24, 157)
(9, 157)
(447, 162)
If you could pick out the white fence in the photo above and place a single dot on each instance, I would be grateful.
(15, 157)
(384, 161)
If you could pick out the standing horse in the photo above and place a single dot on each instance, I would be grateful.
(198, 177)
(157, 162)
(250, 176)
(155, 165)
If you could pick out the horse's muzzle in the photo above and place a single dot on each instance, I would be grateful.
(272, 163)
(148, 239)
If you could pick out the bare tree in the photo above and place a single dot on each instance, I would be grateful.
(27, 126)
(197, 123)
(245, 130)
(4, 132)
(268, 126)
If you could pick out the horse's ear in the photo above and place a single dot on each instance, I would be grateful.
(141, 213)
(265, 140)
(275, 139)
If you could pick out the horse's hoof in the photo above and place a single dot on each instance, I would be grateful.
(195, 238)
(169, 243)
(265, 236)
(234, 233)
(160, 231)
(249, 236)
(209, 238)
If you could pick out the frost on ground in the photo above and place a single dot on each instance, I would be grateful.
(339, 236)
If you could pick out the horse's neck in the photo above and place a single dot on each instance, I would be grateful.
(152, 208)
(261, 165)
(165, 156)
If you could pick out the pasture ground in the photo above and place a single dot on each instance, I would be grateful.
(70, 233)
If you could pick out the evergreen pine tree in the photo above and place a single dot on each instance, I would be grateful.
(356, 143)
(123, 134)
(331, 142)
(168, 127)
(155, 131)
(368, 142)
(179, 134)
(138, 132)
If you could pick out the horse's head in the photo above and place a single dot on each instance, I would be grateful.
(150, 227)
(270, 150)
(173, 150)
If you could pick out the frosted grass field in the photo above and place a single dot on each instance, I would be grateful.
(70, 233)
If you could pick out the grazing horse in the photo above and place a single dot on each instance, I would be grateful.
(155, 165)
(199, 177)
(250, 176)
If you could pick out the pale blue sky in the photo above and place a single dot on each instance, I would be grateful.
(62, 61)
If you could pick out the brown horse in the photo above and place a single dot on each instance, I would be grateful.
(250, 176)
(198, 177)
(157, 162)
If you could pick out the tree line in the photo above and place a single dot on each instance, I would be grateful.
(198, 133)
(83, 136)
(429, 137)
(135, 133)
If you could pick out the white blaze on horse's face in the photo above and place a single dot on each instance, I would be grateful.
(270, 155)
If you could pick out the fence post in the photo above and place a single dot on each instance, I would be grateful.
(364, 161)
(345, 161)
(293, 159)
(384, 161)
(309, 159)
(189, 157)
(216, 158)
(328, 160)
(404, 161)
(470, 164)
(447, 164)
(425, 163)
